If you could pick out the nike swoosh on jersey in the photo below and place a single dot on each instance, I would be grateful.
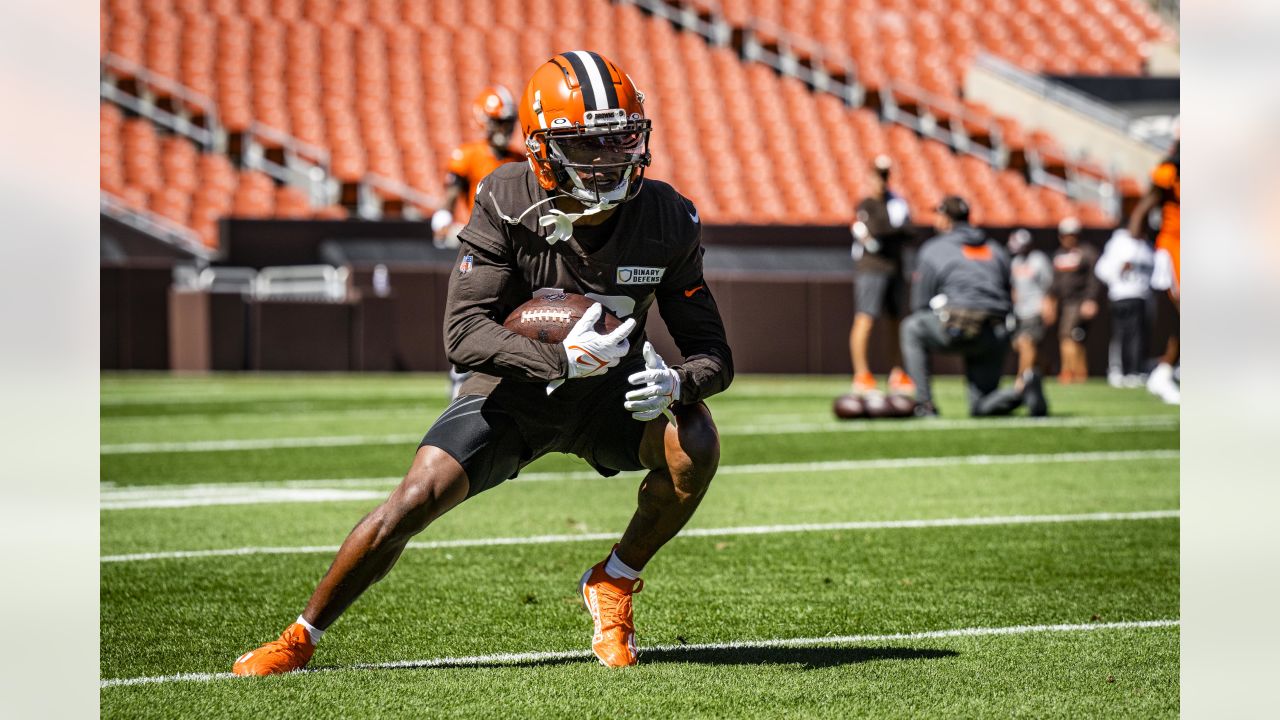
(694, 215)
(689, 293)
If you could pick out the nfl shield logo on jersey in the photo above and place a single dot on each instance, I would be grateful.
(465, 266)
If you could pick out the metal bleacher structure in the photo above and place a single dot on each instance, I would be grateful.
(765, 111)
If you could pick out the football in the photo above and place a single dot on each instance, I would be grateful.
(549, 318)
(875, 405)
(901, 406)
(849, 407)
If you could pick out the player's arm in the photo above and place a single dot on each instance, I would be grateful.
(693, 319)
(1162, 182)
(478, 295)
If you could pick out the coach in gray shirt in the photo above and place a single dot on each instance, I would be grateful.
(960, 300)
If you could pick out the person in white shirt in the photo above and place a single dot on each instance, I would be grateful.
(1126, 266)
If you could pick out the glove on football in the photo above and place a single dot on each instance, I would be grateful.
(591, 353)
(660, 387)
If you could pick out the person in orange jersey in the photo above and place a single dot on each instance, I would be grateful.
(495, 111)
(1165, 194)
(578, 217)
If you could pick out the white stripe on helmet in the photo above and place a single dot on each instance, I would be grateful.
(593, 79)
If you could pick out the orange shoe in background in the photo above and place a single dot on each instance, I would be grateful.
(291, 652)
(900, 383)
(865, 384)
(608, 599)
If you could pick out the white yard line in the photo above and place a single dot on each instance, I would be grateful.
(230, 495)
(1137, 423)
(686, 533)
(803, 642)
(141, 496)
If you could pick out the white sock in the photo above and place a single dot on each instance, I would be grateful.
(313, 632)
(615, 568)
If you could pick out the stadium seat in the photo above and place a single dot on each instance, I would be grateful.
(385, 86)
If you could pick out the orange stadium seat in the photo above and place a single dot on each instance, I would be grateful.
(385, 87)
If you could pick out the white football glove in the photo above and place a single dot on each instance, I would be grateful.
(591, 353)
(661, 387)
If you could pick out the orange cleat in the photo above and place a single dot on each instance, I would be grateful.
(608, 599)
(865, 384)
(900, 383)
(291, 652)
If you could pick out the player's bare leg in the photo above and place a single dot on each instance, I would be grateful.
(1070, 351)
(899, 381)
(682, 459)
(1161, 381)
(859, 337)
(1026, 354)
(434, 484)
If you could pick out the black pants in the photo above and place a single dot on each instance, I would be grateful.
(1129, 332)
(923, 333)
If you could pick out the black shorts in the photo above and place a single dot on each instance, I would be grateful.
(877, 292)
(1031, 327)
(1071, 325)
(492, 440)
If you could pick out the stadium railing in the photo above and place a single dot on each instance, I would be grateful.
(154, 225)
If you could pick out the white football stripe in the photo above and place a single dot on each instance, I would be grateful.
(686, 533)
(128, 497)
(534, 657)
(1137, 423)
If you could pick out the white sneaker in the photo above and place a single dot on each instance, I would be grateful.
(1115, 378)
(1134, 380)
(1161, 384)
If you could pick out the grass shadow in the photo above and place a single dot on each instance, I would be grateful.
(808, 658)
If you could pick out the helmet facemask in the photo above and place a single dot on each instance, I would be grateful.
(599, 164)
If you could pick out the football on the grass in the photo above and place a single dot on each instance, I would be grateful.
(901, 405)
(849, 407)
(549, 318)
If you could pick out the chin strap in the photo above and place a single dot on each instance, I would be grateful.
(562, 221)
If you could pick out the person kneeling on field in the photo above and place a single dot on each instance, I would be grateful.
(602, 230)
(960, 302)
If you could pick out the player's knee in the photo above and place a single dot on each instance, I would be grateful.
(698, 441)
(433, 485)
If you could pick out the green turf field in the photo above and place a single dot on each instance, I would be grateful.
(946, 568)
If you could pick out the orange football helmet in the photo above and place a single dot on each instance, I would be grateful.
(494, 103)
(495, 111)
(585, 129)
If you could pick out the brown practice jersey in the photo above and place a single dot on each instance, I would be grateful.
(648, 250)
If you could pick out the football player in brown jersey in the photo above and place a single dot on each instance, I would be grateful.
(578, 217)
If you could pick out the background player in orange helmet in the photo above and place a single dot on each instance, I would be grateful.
(1165, 193)
(495, 111)
(579, 217)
